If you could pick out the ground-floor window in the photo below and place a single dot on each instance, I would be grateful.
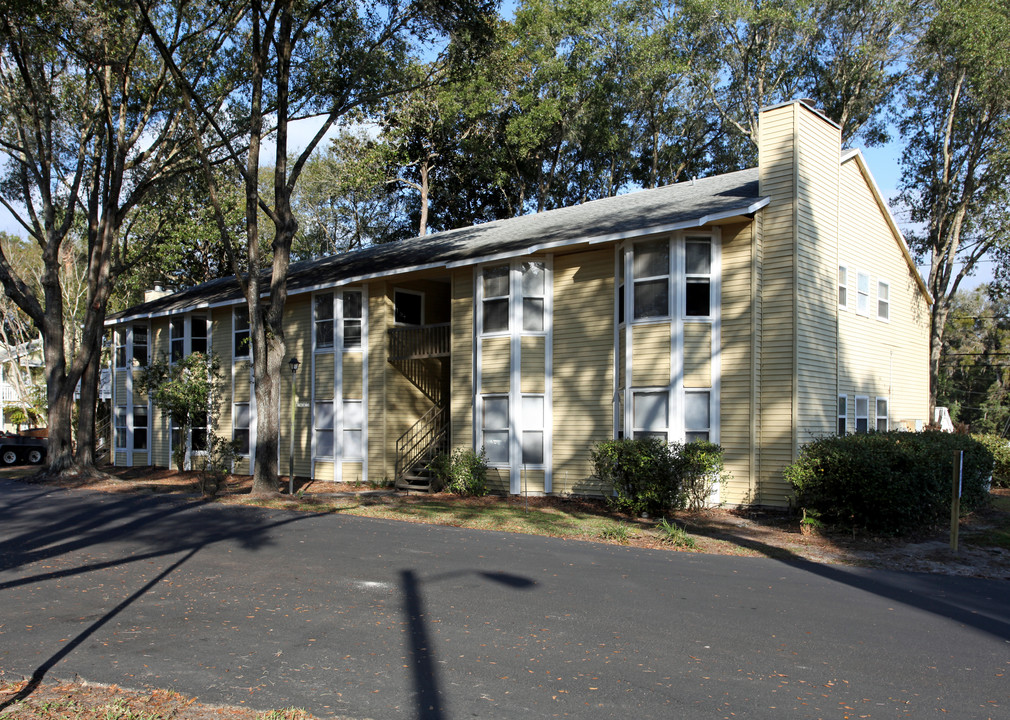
(120, 426)
(533, 430)
(697, 416)
(140, 427)
(323, 429)
(495, 429)
(862, 414)
(353, 431)
(881, 414)
(843, 414)
(240, 427)
(650, 414)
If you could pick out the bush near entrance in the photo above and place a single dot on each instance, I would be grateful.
(890, 483)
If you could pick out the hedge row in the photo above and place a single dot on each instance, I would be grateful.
(891, 482)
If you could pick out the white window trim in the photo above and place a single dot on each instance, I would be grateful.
(887, 302)
(857, 416)
(876, 413)
(847, 285)
(864, 312)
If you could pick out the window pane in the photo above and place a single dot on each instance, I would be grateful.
(496, 413)
(698, 303)
(352, 444)
(324, 334)
(496, 446)
(696, 410)
(843, 405)
(698, 257)
(651, 410)
(140, 344)
(533, 278)
(242, 441)
(324, 307)
(533, 412)
(652, 298)
(241, 318)
(861, 425)
(353, 417)
(841, 426)
(696, 436)
(198, 339)
(199, 439)
(862, 406)
(496, 281)
(651, 259)
(496, 315)
(324, 415)
(533, 448)
(324, 443)
(533, 314)
(352, 305)
(352, 333)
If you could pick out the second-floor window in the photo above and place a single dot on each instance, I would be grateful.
(322, 311)
(240, 322)
(140, 345)
(651, 270)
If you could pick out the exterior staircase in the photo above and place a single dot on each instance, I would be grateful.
(421, 354)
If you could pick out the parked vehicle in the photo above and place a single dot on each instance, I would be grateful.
(18, 448)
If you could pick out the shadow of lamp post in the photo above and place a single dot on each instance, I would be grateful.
(293, 363)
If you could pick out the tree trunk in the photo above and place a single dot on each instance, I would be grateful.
(84, 458)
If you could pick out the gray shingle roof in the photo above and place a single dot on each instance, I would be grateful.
(680, 206)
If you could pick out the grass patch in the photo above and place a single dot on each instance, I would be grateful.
(675, 535)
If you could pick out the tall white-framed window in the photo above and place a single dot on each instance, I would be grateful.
(495, 428)
(322, 429)
(198, 432)
(140, 347)
(697, 276)
(697, 415)
(408, 307)
(352, 434)
(532, 440)
(177, 338)
(352, 319)
(534, 292)
(863, 294)
(843, 414)
(322, 315)
(119, 341)
(199, 332)
(883, 301)
(240, 427)
(241, 336)
(620, 286)
(862, 414)
(495, 300)
(843, 287)
(880, 414)
(140, 427)
(651, 271)
(650, 413)
(119, 420)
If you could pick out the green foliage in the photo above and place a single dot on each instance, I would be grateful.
(703, 469)
(182, 390)
(644, 473)
(221, 457)
(620, 532)
(674, 534)
(464, 472)
(1000, 448)
(888, 483)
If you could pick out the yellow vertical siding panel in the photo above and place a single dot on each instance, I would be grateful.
(697, 355)
(352, 375)
(650, 353)
(461, 396)
(583, 351)
(532, 367)
(324, 376)
(495, 365)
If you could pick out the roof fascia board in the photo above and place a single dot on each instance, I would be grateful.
(864, 169)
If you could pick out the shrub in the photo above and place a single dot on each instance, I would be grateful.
(464, 472)
(702, 469)
(645, 473)
(889, 483)
(1000, 449)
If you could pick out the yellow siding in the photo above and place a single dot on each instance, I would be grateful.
(533, 359)
(736, 412)
(121, 397)
(650, 355)
(221, 346)
(461, 403)
(495, 365)
(324, 376)
(298, 340)
(324, 472)
(352, 472)
(697, 355)
(242, 467)
(498, 481)
(583, 366)
(531, 482)
(242, 374)
(877, 358)
(352, 378)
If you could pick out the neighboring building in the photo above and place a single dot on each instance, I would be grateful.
(757, 309)
(20, 370)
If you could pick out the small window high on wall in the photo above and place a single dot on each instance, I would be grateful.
(651, 263)
(698, 282)
(352, 319)
(322, 310)
(496, 299)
